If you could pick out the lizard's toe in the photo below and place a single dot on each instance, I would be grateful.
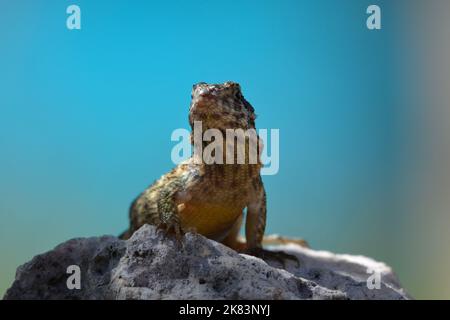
(172, 227)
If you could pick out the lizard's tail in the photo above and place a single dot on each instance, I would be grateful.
(271, 240)
(275, 239)
(128, 233)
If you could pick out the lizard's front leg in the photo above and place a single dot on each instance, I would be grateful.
(169, 207)
(255, 226)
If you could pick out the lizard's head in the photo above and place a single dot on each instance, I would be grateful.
(221, 106)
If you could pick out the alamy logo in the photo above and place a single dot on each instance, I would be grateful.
(374, 280)
(241, 147)
(73, 21)
(374, 20)
(74, 280)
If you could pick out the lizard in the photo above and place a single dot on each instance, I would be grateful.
(210, 198)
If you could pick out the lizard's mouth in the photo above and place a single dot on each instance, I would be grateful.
(206, 94)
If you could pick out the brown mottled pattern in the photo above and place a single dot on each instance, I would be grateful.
(209, 199)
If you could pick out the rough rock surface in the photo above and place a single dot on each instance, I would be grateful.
(151, 266)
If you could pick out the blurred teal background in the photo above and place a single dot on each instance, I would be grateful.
(86, 118)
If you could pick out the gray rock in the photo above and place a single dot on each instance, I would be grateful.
(152, 266)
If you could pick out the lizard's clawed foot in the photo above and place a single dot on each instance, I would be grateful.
(279, 256)
(171, 225)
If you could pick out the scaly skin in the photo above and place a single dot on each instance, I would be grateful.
(210, 198)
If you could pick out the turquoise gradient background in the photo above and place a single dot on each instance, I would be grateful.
(86, 118)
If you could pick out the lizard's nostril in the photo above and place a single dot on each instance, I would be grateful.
(205, 93)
